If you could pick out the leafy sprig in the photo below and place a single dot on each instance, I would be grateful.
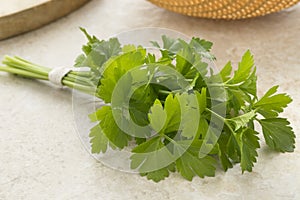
(189, 132)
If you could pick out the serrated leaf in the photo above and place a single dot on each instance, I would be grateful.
(226, 72)
(173, 112)
(248, 143)
(202, 100)
(98, 140)
(249, 86)
(206, 45)
(278, 134)
(151, 156)
(202, 47)
(223, 151)
(151, 58)
(128, 48)
(244, 69)
(116, 68)
(92, 40)
(157, 116)
(170, 44)
(140, 102)
(236, 99)
(233, 149)
(190, 115)
(155, 44)
(110, 129)
(242, 120)
(97, 52)
(190, 165)
(160, 174)
(99, 114)
(271, 104)
(184, 60)
(177, 111)
(80, 60)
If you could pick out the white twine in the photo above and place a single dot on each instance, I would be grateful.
(56, 75)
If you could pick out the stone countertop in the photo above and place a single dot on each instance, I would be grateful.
(41, 156)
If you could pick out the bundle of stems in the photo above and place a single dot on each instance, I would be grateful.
(79, 80)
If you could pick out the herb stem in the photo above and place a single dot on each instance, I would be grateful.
(222, 118)
(24, 73)
(81, 81)
(164, 92)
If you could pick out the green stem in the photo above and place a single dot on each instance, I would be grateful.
(82, 88)
(81, 74)
(24, 73)
(164, 92)
(222, 118)
(81, 81)
(21, 64)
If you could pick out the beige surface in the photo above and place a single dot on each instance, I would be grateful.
(41, 156)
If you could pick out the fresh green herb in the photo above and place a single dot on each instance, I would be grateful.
(189, 132)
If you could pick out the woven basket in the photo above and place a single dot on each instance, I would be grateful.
(225, 9)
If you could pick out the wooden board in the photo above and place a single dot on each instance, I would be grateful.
(28, 15)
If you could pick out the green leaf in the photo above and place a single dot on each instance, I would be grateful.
(172, 112)
(100, 54)
(245, 68)
(170, 44)
(189, 59)
(242, 85)
(160, 174)
(248, 143)
(202, 47)
(116, 68)
(176, 115)
(151, 156)
(80, 60)
(202, 99)
(233, 149)
(109, 48)
(98, 140)
(155, 44)
(110, 129)
(242, 120)
(150, 58)
(99, 114)
(188, 107)
(92, 40)
(236, 99)
(151, 145)
(206, 45)
(128, 48)
(278, 134)
(157, 116)
(97, 52)
(249, 85)
(226, 72)
(190, 165)
(140, 102)
(184, 60)
(223, 151)
(198, 46)
(271, 104)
